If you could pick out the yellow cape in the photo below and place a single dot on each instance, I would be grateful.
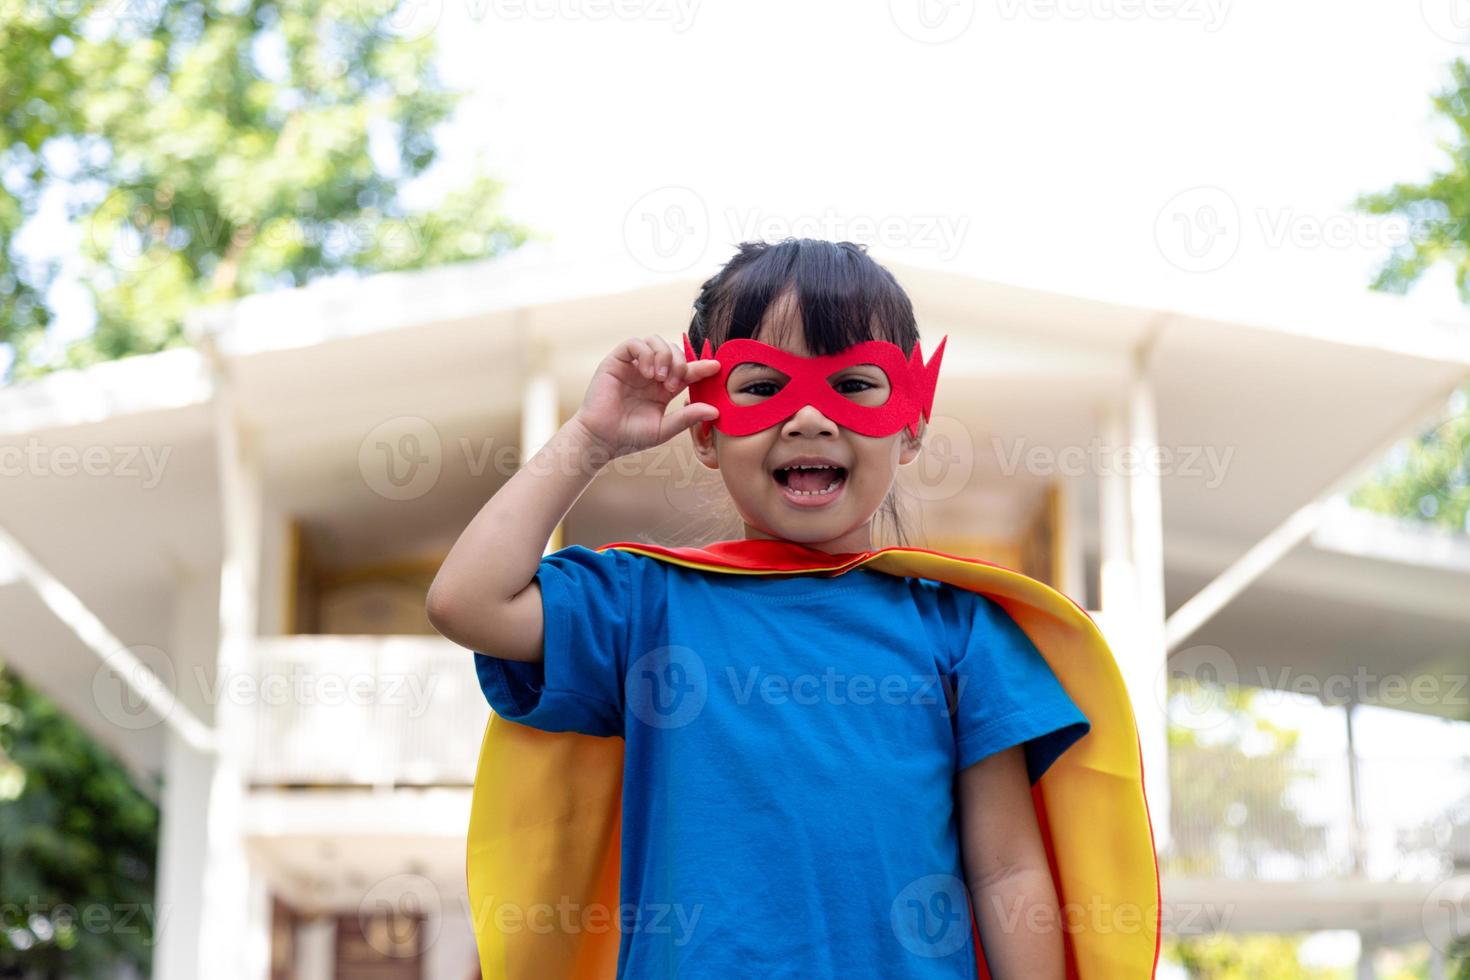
(545, 815)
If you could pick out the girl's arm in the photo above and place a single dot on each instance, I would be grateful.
(1007, 871)
(484, 596)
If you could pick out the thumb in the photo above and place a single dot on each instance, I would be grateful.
(687, 416)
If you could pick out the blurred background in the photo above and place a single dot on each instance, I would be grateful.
(288, 290)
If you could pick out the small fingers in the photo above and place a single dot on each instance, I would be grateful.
(658, 364)
(640, 354)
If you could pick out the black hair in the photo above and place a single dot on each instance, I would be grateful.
(844, 297)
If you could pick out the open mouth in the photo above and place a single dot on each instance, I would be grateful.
(811, 483)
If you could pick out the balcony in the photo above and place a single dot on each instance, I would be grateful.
(379, 711)
(1289, 818)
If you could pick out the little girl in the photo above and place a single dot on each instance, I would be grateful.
(829, 767)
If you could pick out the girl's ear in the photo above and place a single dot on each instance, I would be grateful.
(702, 434)
(912, 445)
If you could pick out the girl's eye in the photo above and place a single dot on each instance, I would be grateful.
(750, 388)
(769, 388)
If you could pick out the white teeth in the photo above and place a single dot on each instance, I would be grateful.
(816, 493)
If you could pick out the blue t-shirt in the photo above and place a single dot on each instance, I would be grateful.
(788, 786)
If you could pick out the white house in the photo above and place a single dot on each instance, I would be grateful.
(215, 560)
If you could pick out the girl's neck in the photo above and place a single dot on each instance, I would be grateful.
(859, 538)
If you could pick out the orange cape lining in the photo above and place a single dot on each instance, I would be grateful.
(543, 848)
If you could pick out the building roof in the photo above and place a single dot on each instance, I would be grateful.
(1286, 402)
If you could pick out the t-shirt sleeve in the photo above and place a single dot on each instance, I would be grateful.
(1005, 693)
(587, 607)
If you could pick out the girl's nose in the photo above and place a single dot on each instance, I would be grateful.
(808, 421)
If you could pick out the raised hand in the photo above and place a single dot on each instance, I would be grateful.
(624, 408)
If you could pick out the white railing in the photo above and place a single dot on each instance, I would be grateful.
(1290, 818)
(364, 710)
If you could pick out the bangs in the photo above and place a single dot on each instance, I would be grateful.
(842, 296)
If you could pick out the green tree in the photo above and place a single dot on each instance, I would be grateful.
(210, 150)
(203, 151)
(1240, 818)
(1231, 822)
(77, 848)
(1249, 957)
(1430, 480)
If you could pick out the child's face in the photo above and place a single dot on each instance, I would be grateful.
(835, 521)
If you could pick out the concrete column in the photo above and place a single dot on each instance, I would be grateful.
(539, 415)
(210, 920)
(1355, 792)
(316, 949)
(218, 906)
(1131, 599)
(1146, 508)
(1366, 970)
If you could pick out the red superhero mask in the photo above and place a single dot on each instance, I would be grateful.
(910, 386)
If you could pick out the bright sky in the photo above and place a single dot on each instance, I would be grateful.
(1068, 143)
